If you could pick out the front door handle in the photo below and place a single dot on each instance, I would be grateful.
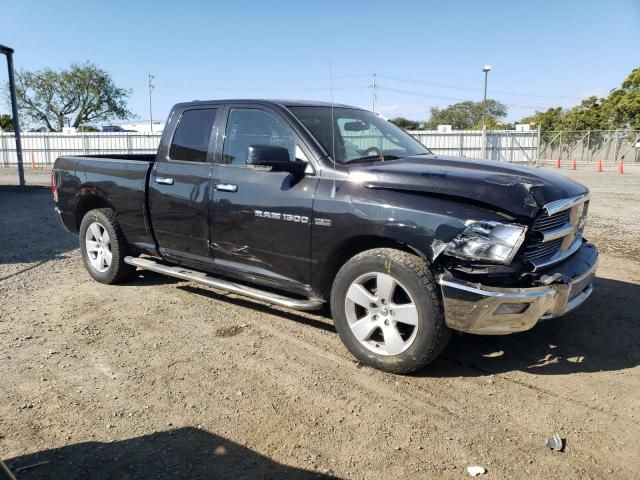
(226, 187)
(164, 181)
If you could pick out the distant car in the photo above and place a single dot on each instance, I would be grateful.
(115, 128)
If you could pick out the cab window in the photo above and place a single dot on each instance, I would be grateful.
(250, 126)
(190, 141)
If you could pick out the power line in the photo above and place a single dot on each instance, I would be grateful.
(261, 89)
(474, 89)
(221, 78)
(375, 85)
(456, 99)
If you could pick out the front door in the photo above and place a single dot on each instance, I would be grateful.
(179, 187)
(261, 219)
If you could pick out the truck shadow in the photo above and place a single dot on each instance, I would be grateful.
(602, 335)
(183, 453)
(320, 321)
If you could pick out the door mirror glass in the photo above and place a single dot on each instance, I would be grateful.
(266, 154)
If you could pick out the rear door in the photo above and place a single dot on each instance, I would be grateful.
(179, 187)
(261, 226)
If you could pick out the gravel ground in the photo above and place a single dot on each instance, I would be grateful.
(160, 378)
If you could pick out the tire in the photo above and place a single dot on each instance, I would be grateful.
(94, 243)
(373, 277)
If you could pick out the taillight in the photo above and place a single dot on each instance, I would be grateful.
(54, 191)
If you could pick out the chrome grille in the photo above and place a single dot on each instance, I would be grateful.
(546, 222)
(541, 250)
(555, 236)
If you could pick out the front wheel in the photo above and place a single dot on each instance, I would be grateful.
(387, 310)
(103, 247)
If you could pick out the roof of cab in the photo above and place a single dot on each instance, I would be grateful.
(282, 103)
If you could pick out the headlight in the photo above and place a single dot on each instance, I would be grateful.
(492, 241)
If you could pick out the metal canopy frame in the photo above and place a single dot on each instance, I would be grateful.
(8, 52)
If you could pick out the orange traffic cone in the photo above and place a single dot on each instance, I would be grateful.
(620, 168)
(573, 164)
(599, 166)
(558, 163)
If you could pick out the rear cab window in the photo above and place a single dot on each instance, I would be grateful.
(190, 142)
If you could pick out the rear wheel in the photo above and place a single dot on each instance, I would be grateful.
(103, 247)
(387, 310)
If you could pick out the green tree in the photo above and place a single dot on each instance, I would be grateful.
(467, 115)
(593, 113)
(623, 104)
(405, 123)
(619, 110)
(6, 124)
(84, 92)
(548, 120)
(87, 128)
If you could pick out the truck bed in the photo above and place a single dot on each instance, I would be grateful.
(116, 180)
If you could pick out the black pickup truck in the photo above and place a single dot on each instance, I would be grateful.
(301, 204)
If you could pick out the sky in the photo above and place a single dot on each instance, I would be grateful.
(424, 53)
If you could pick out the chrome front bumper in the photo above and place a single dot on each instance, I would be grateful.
(486, 310)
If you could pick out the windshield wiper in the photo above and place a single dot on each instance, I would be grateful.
(368, 158)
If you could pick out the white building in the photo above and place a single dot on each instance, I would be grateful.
(144, 127)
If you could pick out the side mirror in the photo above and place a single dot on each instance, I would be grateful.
(275, 157)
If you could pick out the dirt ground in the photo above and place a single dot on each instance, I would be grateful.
(160, 378)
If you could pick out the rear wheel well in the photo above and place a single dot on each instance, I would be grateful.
(87, 203)
(351, 248)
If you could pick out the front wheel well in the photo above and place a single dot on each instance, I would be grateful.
(351, 248)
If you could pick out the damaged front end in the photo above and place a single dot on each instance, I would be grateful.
(490, 310)
(499, 294)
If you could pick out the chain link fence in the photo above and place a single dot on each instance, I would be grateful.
(588, 146)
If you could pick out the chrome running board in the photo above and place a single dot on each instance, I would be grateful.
(204, 279)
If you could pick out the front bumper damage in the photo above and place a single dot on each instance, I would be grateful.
(487, 310)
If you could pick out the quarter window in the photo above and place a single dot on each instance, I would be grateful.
(191, 139)
(246, 127)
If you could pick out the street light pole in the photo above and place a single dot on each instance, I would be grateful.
(486, 70)
(150, 110)
(14, 112)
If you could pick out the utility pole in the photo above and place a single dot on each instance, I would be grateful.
(374, 93)
(151, 87)
(486, 70)
(14, 111)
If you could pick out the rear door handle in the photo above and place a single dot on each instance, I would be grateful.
(164, 181)
(226, 187)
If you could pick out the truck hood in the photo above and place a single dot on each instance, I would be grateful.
(520, 191)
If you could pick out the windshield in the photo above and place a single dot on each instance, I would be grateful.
(360, 135)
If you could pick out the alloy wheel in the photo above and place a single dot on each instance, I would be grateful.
(381, 313)
(98, 246)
